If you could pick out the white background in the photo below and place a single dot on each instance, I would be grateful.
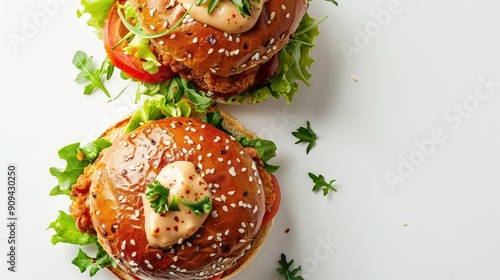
(419, 66)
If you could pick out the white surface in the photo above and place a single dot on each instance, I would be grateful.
(440, 223)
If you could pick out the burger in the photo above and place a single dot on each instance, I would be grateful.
(171, 197)
(243, 51)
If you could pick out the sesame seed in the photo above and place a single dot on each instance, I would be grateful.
(134, 254)
(158, 256)
(232, 171)
(132, 241)
(172, 36)
(152, 27)
(231, 192)
(226, 209)
(241, 230)
(195, 40)
(214, 214)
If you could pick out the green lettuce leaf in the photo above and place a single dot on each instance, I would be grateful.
(76, 160)
(98, 11)
(67, 232)
(101, 260)
(294, 63)
(265, 148)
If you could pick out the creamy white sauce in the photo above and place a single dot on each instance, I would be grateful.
(163, 230)
(225, 16)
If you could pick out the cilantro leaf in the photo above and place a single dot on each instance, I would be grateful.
(98, 11)
(306, 135)
(157, 195)
(321, 184)
(204, 205)
(67, 232)
(265, 148)
(76, 160)
(89, 74)
(287, 271)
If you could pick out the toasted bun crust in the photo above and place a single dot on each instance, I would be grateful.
(211, 50)
(230, 237)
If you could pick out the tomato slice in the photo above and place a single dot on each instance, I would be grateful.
(277, 201)
(112, 32)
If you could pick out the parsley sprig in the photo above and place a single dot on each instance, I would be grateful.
(204, 205)
(157, 195)
(286, 269)
(243, 6)
(306, 135)
(321, 184)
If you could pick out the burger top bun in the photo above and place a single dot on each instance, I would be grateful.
(208, 49)
(231, 234)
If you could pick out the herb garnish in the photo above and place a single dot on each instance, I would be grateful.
(93, 76)
(157, 195)
(306, 135)
(243, 6)
(287, 271)
(321, 184)
(202, 206)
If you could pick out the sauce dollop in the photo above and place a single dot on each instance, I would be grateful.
(163, 230)
(225, 16)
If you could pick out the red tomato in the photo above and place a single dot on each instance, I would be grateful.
(112, 32)
(276, 205)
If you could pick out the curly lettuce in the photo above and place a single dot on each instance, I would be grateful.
(294, 64)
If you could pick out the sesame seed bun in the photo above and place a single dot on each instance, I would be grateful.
(229, 59)
(241, 190)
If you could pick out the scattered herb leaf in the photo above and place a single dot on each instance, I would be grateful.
(321, 184)
(306, 135)
(89, 73)
(286, 269)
